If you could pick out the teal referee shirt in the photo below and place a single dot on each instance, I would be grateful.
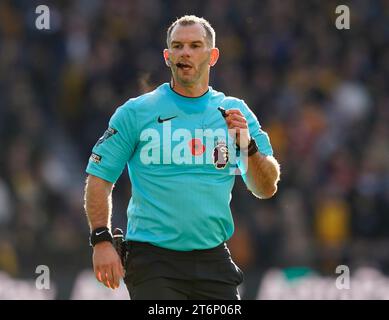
(181, 162)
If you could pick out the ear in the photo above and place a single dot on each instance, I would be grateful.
(166, 57)
(214, 56)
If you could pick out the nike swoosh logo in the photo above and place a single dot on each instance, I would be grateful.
(99, 233)
(162, 120)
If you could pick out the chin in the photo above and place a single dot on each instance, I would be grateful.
(187, 80)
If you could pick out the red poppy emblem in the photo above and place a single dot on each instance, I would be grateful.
(196, 147)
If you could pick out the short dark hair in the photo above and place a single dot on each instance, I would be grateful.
(188, 20)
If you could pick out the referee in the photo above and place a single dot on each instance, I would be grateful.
(179, 217)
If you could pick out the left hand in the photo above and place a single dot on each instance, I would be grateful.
(107, 265)
(236, 121)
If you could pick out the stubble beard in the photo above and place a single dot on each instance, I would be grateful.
(193, 79)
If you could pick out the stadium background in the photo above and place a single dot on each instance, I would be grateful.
(321, 93)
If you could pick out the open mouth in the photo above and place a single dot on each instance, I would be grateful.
(183, 66)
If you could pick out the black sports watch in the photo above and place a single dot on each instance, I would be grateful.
(99, 235)
(252, 148)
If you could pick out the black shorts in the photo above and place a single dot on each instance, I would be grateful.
(154, 273)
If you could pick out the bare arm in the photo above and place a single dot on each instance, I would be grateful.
(98, 207)
(263, 174)
(98, 202)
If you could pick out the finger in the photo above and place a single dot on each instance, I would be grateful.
(107, 283)
(123, 271)
(236, 124)
(230, 122)
(236, 120)
(117, 275)
(239, 124)
(234, 111)
(104, 277)
(98, 275)
(236, 117)
(110, 277)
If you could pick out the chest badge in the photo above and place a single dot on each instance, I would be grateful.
(220, 155)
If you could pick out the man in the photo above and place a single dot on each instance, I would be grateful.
(179, 216)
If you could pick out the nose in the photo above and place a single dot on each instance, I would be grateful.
(186, 51)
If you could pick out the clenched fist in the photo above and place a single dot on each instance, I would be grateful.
(237, 122)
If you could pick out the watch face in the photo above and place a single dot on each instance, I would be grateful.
(253, 148)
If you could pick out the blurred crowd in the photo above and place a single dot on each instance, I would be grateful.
(322, 94)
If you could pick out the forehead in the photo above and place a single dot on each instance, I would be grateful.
(189, 33)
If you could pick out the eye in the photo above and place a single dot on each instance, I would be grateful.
(195, 46)
(177, 46)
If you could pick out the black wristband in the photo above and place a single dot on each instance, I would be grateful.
(100, 235)
(252, 148)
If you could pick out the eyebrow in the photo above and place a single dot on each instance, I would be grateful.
(192, 42)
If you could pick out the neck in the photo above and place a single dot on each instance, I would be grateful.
(192, 91)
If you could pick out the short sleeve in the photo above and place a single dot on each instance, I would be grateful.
(116, 146)
(260, 136)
